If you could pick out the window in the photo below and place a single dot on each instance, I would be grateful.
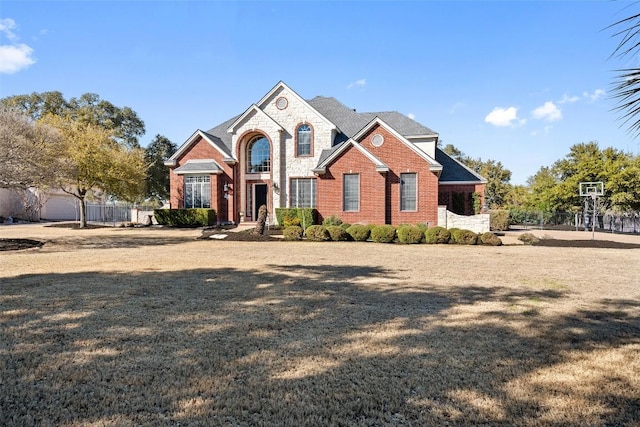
(351, 192)
(302, 193)
(258, 155)
(197, 191)
(303, 147)
(408, 192)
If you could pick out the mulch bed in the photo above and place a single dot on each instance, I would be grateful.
(603, 244)
(242, 236)
(19, 244)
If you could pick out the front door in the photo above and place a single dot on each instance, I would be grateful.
(259, 198)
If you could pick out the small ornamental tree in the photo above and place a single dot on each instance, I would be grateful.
(91, 160)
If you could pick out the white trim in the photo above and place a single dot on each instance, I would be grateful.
(433, 164)
(200, 172)
(380, 166)
(283, 85)
(172, 161)
(257, 110)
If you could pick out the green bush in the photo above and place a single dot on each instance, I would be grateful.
(337, 233)
(528, 239)
(198, 217)
(332, 220)
(305, 216)
(371, 226)
(437, 235)
(499, 219)
(359, 232)
(490, 239)
(410, 234)
(293, 232)
(317, 233)
(383, 233)
(464, 237)
(422, 226)
(345, 225)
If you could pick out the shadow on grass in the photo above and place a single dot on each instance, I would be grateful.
(298, 345)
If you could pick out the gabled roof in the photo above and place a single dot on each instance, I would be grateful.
(199, 166)
(350, 122)
(333, 154)
(252, 109)
(454, 172)
(282, 85)
(216, 142)
(433, 164)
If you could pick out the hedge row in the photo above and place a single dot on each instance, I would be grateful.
(186, 217)
(406, 234)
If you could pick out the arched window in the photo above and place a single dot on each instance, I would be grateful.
(303, 147)
(258, 155)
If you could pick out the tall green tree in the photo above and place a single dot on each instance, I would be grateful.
(122, 122)
(157, 179)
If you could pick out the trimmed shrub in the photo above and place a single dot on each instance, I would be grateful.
(198, 217)
(422, 226)
(371, 226)
(332, 220)
(410, 234)
(464, 237)
(359, 232)
(528, 239)
(490, 239)
(345, 225)
(317, 233)
(383, 233)
(499, 219)
(293, 232)
(305, 216)
(437, 235)
(337, 233)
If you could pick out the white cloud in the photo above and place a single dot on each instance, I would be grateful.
(549, 112)
(13, 56)
(6, 26)
(361, 83)
(597, 94)
(411, 116)
(566, 99)
(502, 116)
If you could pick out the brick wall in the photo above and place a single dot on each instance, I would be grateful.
(201, 149)
(379, 192)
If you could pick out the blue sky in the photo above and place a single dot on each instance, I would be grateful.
(514, 81)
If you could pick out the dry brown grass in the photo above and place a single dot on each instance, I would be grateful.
(153, 327)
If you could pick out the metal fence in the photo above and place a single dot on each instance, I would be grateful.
(615, 223)
(112, 212)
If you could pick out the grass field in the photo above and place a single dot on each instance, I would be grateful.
(112, 327)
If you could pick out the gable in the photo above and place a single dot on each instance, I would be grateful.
(196, 138)
(454, 172)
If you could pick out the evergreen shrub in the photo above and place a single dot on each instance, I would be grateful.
(332, 220)
(337, 233)
(410, 234)
(359, 232)
(293, 232)
(317, 233)
(528, 239)
(383, 233)
(198, 217)
(499, 219)
(490, 239)
(465, 237)
(437, 235)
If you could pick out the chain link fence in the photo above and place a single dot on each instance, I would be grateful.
(611, 222)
